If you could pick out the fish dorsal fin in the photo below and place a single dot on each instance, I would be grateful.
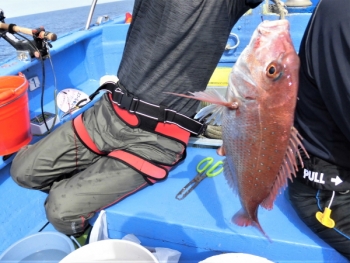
(288, 168)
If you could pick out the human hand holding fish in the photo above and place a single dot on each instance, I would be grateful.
(259, 141)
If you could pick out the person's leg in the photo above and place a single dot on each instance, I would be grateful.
(54, 157)
(73, 201)
(308, 201)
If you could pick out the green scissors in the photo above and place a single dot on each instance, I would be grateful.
(203, 172)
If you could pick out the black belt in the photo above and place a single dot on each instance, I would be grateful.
(159, 113)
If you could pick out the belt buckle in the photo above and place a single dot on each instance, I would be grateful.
(126, 101)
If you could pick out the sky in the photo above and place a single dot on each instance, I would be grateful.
(15, 8)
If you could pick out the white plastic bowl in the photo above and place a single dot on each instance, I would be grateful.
(235, 257)
(111, 250)
(40, 247)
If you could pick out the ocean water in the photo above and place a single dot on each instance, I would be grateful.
(62, 21)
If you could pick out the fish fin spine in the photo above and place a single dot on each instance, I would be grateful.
(297, 138)
(211, 96)
(218, 103)
(213, 114)
(288, 168)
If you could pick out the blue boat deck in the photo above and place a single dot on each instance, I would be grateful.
(22, 211)
(198, 226)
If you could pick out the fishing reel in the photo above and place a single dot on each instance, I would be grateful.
(26, 49)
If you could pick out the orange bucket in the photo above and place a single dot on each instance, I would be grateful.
(14, 114)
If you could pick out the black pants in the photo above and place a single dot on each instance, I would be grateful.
(307, 201)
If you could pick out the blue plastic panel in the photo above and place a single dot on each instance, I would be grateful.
(22, 211)
(200, 225)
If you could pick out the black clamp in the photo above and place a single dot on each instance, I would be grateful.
(125, 101)
(10, 29)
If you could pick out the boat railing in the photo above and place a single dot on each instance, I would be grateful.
(92, 9)
(100, 19)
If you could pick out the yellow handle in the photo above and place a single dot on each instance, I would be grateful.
(207, 162)
(325, 218)
(216, 169)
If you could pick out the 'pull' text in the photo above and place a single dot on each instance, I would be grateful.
(314, 176)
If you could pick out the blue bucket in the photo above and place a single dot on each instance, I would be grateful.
(43, 247)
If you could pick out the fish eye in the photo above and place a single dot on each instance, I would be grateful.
(273, 72)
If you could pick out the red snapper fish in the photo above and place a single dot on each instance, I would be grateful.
(259, 140)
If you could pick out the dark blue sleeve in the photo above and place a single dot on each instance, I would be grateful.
(330, 51)
(323, 110)
(253, 3)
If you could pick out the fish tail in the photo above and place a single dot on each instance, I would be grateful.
(241, 218)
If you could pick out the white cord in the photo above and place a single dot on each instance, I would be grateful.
(330, 202)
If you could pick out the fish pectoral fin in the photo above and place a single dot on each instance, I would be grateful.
(213, 114)
(214, 111)
(221, 151)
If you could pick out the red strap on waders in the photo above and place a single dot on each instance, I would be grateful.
(83, 135)
(150, 171)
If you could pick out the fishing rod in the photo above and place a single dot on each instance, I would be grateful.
(27, 49)
(12, 28)
(38, 44)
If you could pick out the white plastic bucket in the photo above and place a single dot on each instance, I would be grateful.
(235, 257)
(41, 247)
(111, 250)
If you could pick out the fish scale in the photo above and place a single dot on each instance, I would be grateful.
(259, 140)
